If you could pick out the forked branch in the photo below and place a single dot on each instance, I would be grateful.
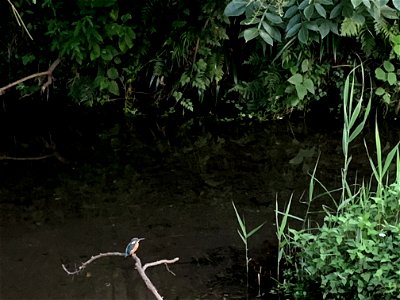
(138, 265)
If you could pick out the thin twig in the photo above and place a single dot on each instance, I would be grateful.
(159, 262)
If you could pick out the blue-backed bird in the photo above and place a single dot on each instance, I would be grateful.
(133, 246)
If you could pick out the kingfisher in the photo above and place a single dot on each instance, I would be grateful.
(133, 246)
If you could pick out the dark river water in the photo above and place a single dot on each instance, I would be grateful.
(175, 189)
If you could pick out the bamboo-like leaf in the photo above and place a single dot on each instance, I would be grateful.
(378, 150)
(389, 159)
(240, 221)
(355, 114)
(255, 230)
(242, 237)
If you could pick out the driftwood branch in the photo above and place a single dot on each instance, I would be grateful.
(48, 73)
(138, 265)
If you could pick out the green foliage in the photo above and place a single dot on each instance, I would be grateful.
(245, 235)
(354, 254)
(188, 60)
(312, 31)
(390, 90)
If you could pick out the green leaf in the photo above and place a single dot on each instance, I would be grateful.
(301, 91)
(386, 98)
(114, 14)
(324, 29)
(305, 65)
(235, 8)
(250, 21)
(335, 12)
(380, 91)
(255, 230)
(293, 21)
(320, 10)
(292, 31)
(272, 31)
(389, 159)
(391, 78)
(309, 85)
(303, 35)
(309, 11)
(389, 12)
(396, 49)
(388, 66)
(95, 53)
(380, 74)
(266, 37)
(112, 73)
(349, 27)
(113, 88)
(312, 25)
(333, 27)
(367, 3)
(273, 18)
(303, 4)
(291, 12)
(396, 4)
(126, 17)
(356, 3)
(250, 34)
(296, 79)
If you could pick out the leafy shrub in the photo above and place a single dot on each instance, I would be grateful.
(355, 253)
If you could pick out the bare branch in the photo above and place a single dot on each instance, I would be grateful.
(93, 258)
(48, 73)
(159, 262)
(27, 158)
(138, 265)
